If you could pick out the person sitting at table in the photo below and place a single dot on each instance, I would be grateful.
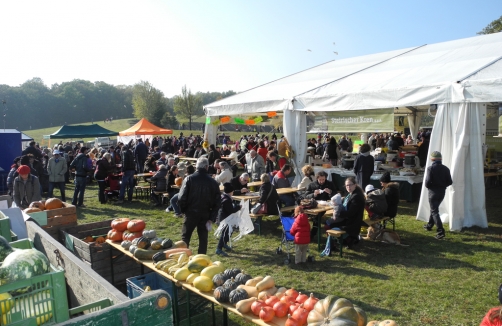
(262, 150)
(268, 195)
(214, 169)
(233, 163)
(213, 154)
(160, 179)
(171, 177)
(321, 188)
(240, 184)
(226, 209)
(199, 151)
(280, 181)
(255, 165)
(391, 190)
(224, 150)
(225, 174)
(353, 212)
(308, 174)
(162, 159)
(272, 163)
(150, 165)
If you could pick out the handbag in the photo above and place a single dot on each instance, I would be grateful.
(261, 208)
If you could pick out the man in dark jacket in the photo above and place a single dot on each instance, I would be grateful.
(321, 189)
(240, 184)
(128, 171)
(199, 199)
(437, 180)
(79, 165)
(33, 150)
(391, 190)
(140, 154)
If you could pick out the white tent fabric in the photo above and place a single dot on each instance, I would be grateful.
(466, 71)
(457, 134)
(427, 75)
(277, 95)
(414, 122)
(295, 128)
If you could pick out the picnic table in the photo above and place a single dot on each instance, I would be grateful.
(256, 195)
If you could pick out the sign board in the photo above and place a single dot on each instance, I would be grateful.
(379, 120)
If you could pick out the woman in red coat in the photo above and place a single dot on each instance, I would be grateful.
(301, 231)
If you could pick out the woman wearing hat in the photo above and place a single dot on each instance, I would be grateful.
(437, 180)
(226, 209)
(26, 188)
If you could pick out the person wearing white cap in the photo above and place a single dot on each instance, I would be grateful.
(56, 168)
(437, 180)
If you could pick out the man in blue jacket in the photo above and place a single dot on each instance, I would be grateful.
(437, 180)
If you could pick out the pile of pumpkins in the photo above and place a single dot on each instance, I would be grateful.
(44, 205)
(126, 229)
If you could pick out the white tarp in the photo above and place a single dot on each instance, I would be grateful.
(457, 134)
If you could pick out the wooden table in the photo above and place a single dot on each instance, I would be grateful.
(140, 175)
(206, 295)
(318, 213)
(490, 176)
(186, 158)
(256, 195)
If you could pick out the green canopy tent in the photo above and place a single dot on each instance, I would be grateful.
(82, 131)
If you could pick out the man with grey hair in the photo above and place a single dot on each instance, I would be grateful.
(255, 165)
(240, 184)
(200, 200)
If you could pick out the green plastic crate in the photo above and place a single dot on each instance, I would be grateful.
(5, 227)
(45, 302)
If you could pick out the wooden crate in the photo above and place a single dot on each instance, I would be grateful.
(58, 218)
(99, 256)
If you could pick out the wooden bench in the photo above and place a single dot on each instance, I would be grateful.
(143, 190)
(287, 209)
(257, 221)
(339, 235)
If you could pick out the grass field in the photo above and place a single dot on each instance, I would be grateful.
(429, 282)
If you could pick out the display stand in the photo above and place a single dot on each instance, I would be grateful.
(206, 295)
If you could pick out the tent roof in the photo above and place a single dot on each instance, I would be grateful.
(145, 127)
(82, 131)
(447, 72)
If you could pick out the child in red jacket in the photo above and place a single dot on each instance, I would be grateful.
(301, 231)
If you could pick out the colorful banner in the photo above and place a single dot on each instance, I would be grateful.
(379, 120)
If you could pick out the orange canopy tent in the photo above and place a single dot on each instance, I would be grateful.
(145, 127)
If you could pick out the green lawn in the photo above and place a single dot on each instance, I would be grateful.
(429, 282)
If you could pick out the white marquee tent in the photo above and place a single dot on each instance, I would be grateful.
(460, 76)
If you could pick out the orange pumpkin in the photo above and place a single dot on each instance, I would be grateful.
(120, 224)
(131, 235)
(100, 240)
(53, 203)
(31, 210)
(89, 239)
(38, 204)
(178, 181)
(114, 235)
(136, 225)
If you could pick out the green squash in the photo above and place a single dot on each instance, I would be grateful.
(167, 243)
(237, 295)
(23, 264)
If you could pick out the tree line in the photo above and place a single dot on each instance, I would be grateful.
(34, 105)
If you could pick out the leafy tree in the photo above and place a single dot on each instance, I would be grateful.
(148, 102)
(493, 27)
(169, 121)
(188, 105)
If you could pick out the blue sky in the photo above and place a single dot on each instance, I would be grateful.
(215, 45)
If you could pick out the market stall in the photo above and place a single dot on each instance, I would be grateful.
(143, 129)
(459, 76)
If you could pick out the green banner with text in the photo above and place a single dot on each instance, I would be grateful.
(379, 120)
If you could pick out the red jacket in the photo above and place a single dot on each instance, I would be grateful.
(301, 229)
(486, 321)
(262, 151)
